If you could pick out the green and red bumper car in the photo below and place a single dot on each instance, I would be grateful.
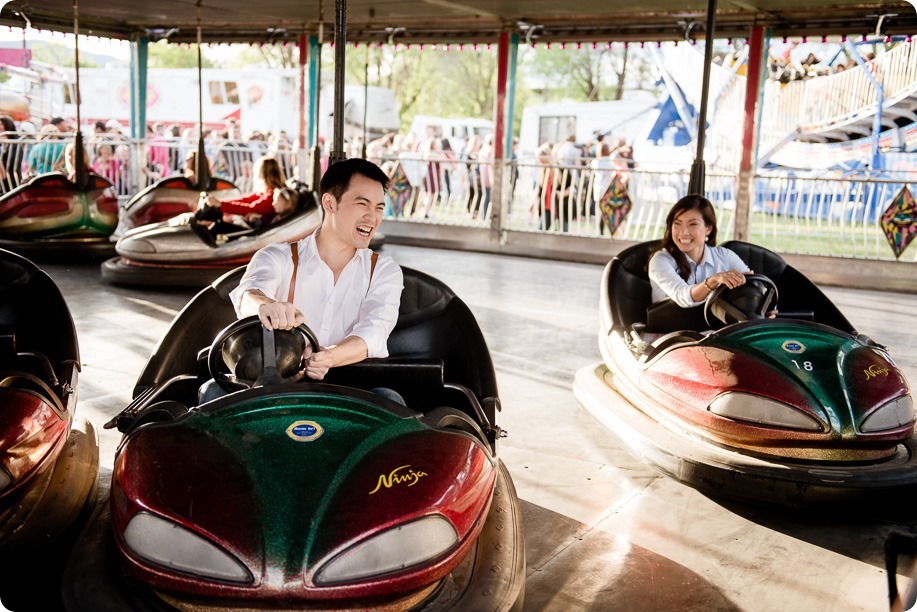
(289, 494)
(50, 216)
(798, 410)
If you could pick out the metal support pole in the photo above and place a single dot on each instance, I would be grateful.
(81, 178)
(748, 164)
(139, 51)
(301, 150)
(496, 185)
(202, 167)
(511, 94)
(340, 45)
(315, 84)
(696, 184)
(877, 161)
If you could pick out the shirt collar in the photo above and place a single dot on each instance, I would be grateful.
(310, 249)
(707, 258)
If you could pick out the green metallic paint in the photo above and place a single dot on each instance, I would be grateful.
(819, 368)
(257, 433)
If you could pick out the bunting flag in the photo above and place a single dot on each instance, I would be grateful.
(615, 203)
(899, 221)
(399, 189)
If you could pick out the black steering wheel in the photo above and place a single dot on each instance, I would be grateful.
(246, 354)
(750, 301)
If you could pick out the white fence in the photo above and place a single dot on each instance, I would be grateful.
(831, 216)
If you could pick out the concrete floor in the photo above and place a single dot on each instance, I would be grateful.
(603, 530)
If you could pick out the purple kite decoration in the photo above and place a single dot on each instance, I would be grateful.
(899, 221)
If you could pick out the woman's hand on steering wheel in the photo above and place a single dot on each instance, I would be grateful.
(280, 315)
(730, 278)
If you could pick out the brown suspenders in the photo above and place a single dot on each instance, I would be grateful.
(294, 251)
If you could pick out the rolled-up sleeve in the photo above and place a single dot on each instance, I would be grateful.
(265, 272)
(664, 278)
(379, 310)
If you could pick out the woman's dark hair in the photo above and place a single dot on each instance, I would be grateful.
(689, 202)
(7, 122)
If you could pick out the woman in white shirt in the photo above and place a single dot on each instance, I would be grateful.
(689, 266)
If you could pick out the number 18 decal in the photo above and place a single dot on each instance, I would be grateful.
(806, 365)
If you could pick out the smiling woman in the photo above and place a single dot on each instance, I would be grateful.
(688, 265)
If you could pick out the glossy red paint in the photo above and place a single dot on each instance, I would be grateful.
(682, 383)
(107, 203)
(32, 435)
(874, 380)
(44, 207)
(457, 482)
(215, 499)
(164, 209)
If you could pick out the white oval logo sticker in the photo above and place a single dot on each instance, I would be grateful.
(305, 431)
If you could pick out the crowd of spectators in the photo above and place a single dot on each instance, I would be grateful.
(789, 65)
(26, 152)
(568, 182)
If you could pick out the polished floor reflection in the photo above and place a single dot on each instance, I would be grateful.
(603, 531)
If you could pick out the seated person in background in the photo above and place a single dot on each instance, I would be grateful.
(347, 294)
(688, 265)
(269, 201)
(189, 166)
(70, 160)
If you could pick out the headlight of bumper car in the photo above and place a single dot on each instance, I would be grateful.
(170, 545)
(391, 550)
(762, 410)
(894, 414)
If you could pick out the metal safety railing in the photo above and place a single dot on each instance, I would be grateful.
(831, 215)
(820, 103)
(835, 217)
(132, 165)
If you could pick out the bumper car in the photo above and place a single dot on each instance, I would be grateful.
(49, 461)
(52, 216)
(167, 198)
(293, 494)
(182, 252)
(798, 411)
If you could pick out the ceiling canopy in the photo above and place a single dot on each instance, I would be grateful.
(445, 21)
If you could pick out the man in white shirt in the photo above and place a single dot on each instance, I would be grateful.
(347, 296)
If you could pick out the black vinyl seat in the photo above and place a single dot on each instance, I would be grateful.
(435, 332)
(627, 293)
(38, 344)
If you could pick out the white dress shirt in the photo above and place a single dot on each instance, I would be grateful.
(665, 281)
(351, 307)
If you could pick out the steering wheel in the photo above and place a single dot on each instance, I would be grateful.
(246, 354)
(750, 301)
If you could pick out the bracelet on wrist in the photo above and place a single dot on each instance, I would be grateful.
(708, 286)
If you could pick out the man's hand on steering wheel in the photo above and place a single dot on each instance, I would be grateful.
(317, 364)
(280, 315)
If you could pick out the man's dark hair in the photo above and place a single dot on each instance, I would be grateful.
(56, 121)
(338, 176)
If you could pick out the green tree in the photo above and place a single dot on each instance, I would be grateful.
(59, 55)
(164, 55)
